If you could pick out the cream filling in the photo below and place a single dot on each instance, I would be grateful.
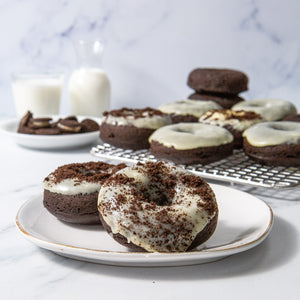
(183, 136)
(151, 122)
(273, 133)
(269, 109)
(189, 107)
(71, 187)
(141, 233)
(219, 119)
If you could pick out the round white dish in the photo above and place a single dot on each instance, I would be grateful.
(244, 222)
(48, 142)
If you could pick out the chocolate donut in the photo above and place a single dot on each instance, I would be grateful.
(293, 118)
(274, 143)
(189, 143)
(234, 121)
(269, 109)
(130, 128)
(71, 191)
(157, 207)
(223, 81)
(187, 110)
(225, 100)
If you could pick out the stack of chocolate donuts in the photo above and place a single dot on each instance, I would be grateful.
(208, 127)
(153, 207)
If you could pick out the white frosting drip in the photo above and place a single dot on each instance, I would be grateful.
(219, 119)
(183, 136)
(141, 234)
(70, 186)
(269, 109)
(151, 122)
(273, 133)
(189, 107)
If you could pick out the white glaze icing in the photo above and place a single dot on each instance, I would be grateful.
(151, 122)
(142, 233)
(269, 109)
(189, 107)
(70, 186)
(273, 133)
(228, 118)
(183, 136)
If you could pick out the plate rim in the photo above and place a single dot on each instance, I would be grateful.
(212, 251)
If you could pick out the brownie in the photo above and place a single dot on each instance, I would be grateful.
(225, 100)
(279, 155)
(223, 81)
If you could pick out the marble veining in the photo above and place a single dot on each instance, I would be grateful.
(151, 46)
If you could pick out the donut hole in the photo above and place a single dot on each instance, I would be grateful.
(155, 193)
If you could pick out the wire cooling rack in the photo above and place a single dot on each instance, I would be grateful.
(237, 168)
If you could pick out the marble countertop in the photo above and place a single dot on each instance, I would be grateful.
(271, 270)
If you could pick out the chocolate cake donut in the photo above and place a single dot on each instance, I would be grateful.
(71, 191)
(274, 143)
(187, 110)
(189, 143)
(130, 128)
(225, 100)
(269, 109)
(234, 121)
(157, 207)
(223, 81)
(293, 118)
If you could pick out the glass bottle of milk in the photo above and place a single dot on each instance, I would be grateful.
(89, 86)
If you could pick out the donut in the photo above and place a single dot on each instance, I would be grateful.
(293, 118)
(157, 207)
(188, 143)
(223, 81)
(274, 143)
(71, 191)
(130, 128)
(187, 110)
(234, 121)
(225, 100)
(269, 109)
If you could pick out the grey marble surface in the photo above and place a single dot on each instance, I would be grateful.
(151, 46)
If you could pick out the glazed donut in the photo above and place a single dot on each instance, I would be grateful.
(130, 128)
(188, 143)
(71, 191)
(274, 143)
(269, 109)
(234, 121)
(157, 207)
(187, 110)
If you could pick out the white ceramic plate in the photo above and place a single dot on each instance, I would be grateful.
(244, 222)
(9, 127)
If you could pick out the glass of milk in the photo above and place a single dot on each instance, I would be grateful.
(39, 93)
(89, 86)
